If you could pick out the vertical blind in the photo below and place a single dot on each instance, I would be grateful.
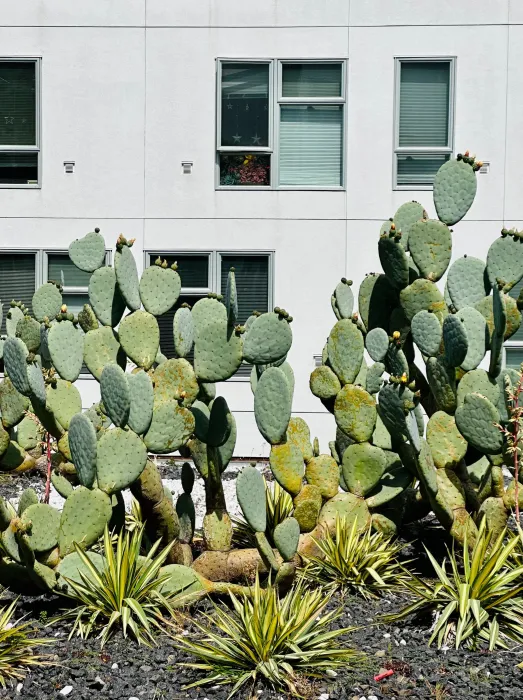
(311, 144)
(424, 104)
(17, 103)
(17, 280)
(311, 80)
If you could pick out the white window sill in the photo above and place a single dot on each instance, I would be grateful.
(20, 187)
(411, 188)
(286, 188)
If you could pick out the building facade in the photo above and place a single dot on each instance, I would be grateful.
(273, 136)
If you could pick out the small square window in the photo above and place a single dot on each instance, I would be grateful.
(17, 280)
(311, 80)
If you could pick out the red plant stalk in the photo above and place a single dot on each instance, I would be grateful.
(48, 478)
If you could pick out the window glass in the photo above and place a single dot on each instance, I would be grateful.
(424, 104)
(17, 103)
(245, 104)
(311, 80)
(17, 280)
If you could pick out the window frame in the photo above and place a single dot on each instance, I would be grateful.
(276, 99)
(215, 263)
(37, 148)
(421, 150)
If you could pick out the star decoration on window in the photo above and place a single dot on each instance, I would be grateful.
(247, 107)
(9, 120)
(256, 140)
(229, 105)
(265, 108)
(237, 138)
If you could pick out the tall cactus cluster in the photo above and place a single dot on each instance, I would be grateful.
(413, 439)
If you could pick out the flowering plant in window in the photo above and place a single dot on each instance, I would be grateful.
(245, 170)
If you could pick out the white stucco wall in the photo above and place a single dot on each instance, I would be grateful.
(128, 93)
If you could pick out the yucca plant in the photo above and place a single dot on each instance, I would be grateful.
(17, 647)
(480, 603)
(126, 593)
(278, 506)
(362, 562)
(281, 640)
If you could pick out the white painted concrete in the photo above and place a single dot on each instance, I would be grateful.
(128, 93)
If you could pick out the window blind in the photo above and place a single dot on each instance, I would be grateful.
(18, 168)
(514, 357)
(165, 323)
(424, 104)
(61, 269)
(17, 280)
(17, 103)
(311, 141)
(245, 104)
(311, 80)
(419, 169)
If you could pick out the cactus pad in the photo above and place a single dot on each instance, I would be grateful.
(217, 351)
(476, 420)
(363, 467)
(393, 482)
(394, 402)
(183, 331)
(499, 311)
(66, 347)
(377, 344)
(505, 261)
(127, 276)
(287, 466)
(478, 381)
(455, 340)
(323, 473)
(83, 446)
(250, 491)
(355, 412)
(46, 302)
(115, 394)
(88, 253)
(220, 423)
(140, 338)
(286, 537)
(159, 289)
(175, 379)
(467, 282)
(64, 401)
(343, 299)
(15, 362)
(324, 383)
(170, 428)
(454, 190)
(142, 399)
(13, 316)
(346, 506)
(231, 298)
(427, 332)
(421, 295)
(45, 524)
(298, 433)
(345, 349)
(101, 348)
(121, 458)
(84, 517)
(105, 297)
(405, 216)
(442, 382)
(485, 307)
(447, 444)
(374, 379)
(477, 335)
(272, 405)
(430, 245)
(394, 259)
(12, 404)
(268, 339)
(376, 299)
(36, 383)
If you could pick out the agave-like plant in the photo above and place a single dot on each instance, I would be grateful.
(278, 506)
(17, 647)
(279, 639)
(125, 593)
(365, 563)
(480, 603)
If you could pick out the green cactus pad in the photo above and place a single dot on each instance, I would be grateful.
(205, 311)
(286, 461)
(442, 382)
(376, 299)
(406, 215)
(430, 244)
(377, 344)
(28, 498)
(381, 436)
(272, 405)
(45, 521)
(84, 517)
(13, 316)
(485, 307)
(323, 473)
(268, 339)
(467, 282)
(47, 302)
(427, 332)
(478, 470)
(4, 444)
(346, 506)
(175, 379)
(374, 379)
(454, 191)
(505, 262)
(101, 348)
(355, 412)
(12, 404)
(286, 537)
(217, 351)
(36, 383)
(28, 330)
(159, 289)
(142, 399)
(394, 260)
(447, 444)
(83, 447)
(88, 253)
(140, 338)
(105, 298)
(231, 298)
(298, 433)
(127, 276)
(28, 433)
(307, 506)
(186, 517)
(476, 420)
(15, 363)
(396, 361)
(115, 393)
(250, 491)
(201, 415)
(87, 319)
(455, 340)
(344, 299)
(478, 381)
(220, 423)
(62, 485)
(510, 376)
(426, 469)
(64, 401)
(324, 383)
(477, 335)
(121, 459)
(66, 347)
(363, 466)
(345, 349)
(183, 331)
(499, 311)
(393, 482)
(421, 295)
(394, 403)
(72, 566)
(170, 428)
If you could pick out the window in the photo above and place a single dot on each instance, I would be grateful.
(514, 345)
(17, 280)
(202, 273)
(424, 120)
(19, 122)
(284, 130)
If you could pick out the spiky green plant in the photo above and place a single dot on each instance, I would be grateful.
(17, 647)
(479, 603)
(279, 640)
(278, 505)
(363, 562)
(126, 593)
(134, 518)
